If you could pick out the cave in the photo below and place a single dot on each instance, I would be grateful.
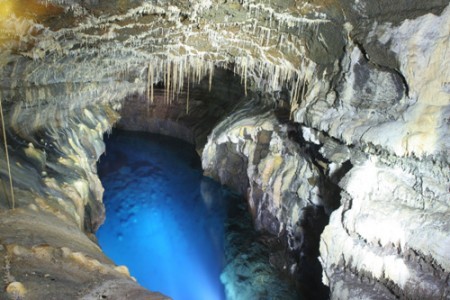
(326, 121)
(163, 218)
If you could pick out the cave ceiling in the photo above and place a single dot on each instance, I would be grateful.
(72, 53)
(50, 46)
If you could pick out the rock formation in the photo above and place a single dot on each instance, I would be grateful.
(337, 108)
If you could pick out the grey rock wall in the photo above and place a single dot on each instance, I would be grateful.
(389, 236)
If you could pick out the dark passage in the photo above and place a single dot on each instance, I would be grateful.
(178, 232)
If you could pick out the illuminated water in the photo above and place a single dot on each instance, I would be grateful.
(165, 221)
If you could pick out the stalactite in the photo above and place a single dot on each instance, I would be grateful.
(244, 74)
(275, 78)
(187, 96)
(168, 83)
(198, 72)
(297, 88)
(305, 84)
(211, 73)
(296, 93)
(174, 79)
(181, 75)
(245, 78)
(149, 83)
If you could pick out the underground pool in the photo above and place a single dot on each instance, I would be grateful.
(177, 231)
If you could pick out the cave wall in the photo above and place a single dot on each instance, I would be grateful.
(391, 231)
(338, 109)
(48, 248)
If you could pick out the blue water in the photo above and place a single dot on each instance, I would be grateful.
(164, 220)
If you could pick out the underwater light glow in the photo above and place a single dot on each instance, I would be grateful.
(164, 220)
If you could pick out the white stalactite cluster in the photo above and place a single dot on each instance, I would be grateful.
(266, 57)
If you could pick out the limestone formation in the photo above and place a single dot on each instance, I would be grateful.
(312, 109)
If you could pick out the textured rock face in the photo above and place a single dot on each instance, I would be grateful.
(251, 149)
(389, 236)
(48, 250)
(255, 153)
(391, 231)
(336, 104)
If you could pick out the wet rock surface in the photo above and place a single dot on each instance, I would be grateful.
(248, 272)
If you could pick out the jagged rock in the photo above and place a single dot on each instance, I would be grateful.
(383, 229)
(364, 14)
(255, 153)
(375, 243)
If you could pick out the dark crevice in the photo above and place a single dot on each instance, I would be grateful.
(403, 80)
(310, 269)
(315, 218)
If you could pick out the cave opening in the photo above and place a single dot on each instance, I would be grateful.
(164, 220)
(253, 254)
(179, 232)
